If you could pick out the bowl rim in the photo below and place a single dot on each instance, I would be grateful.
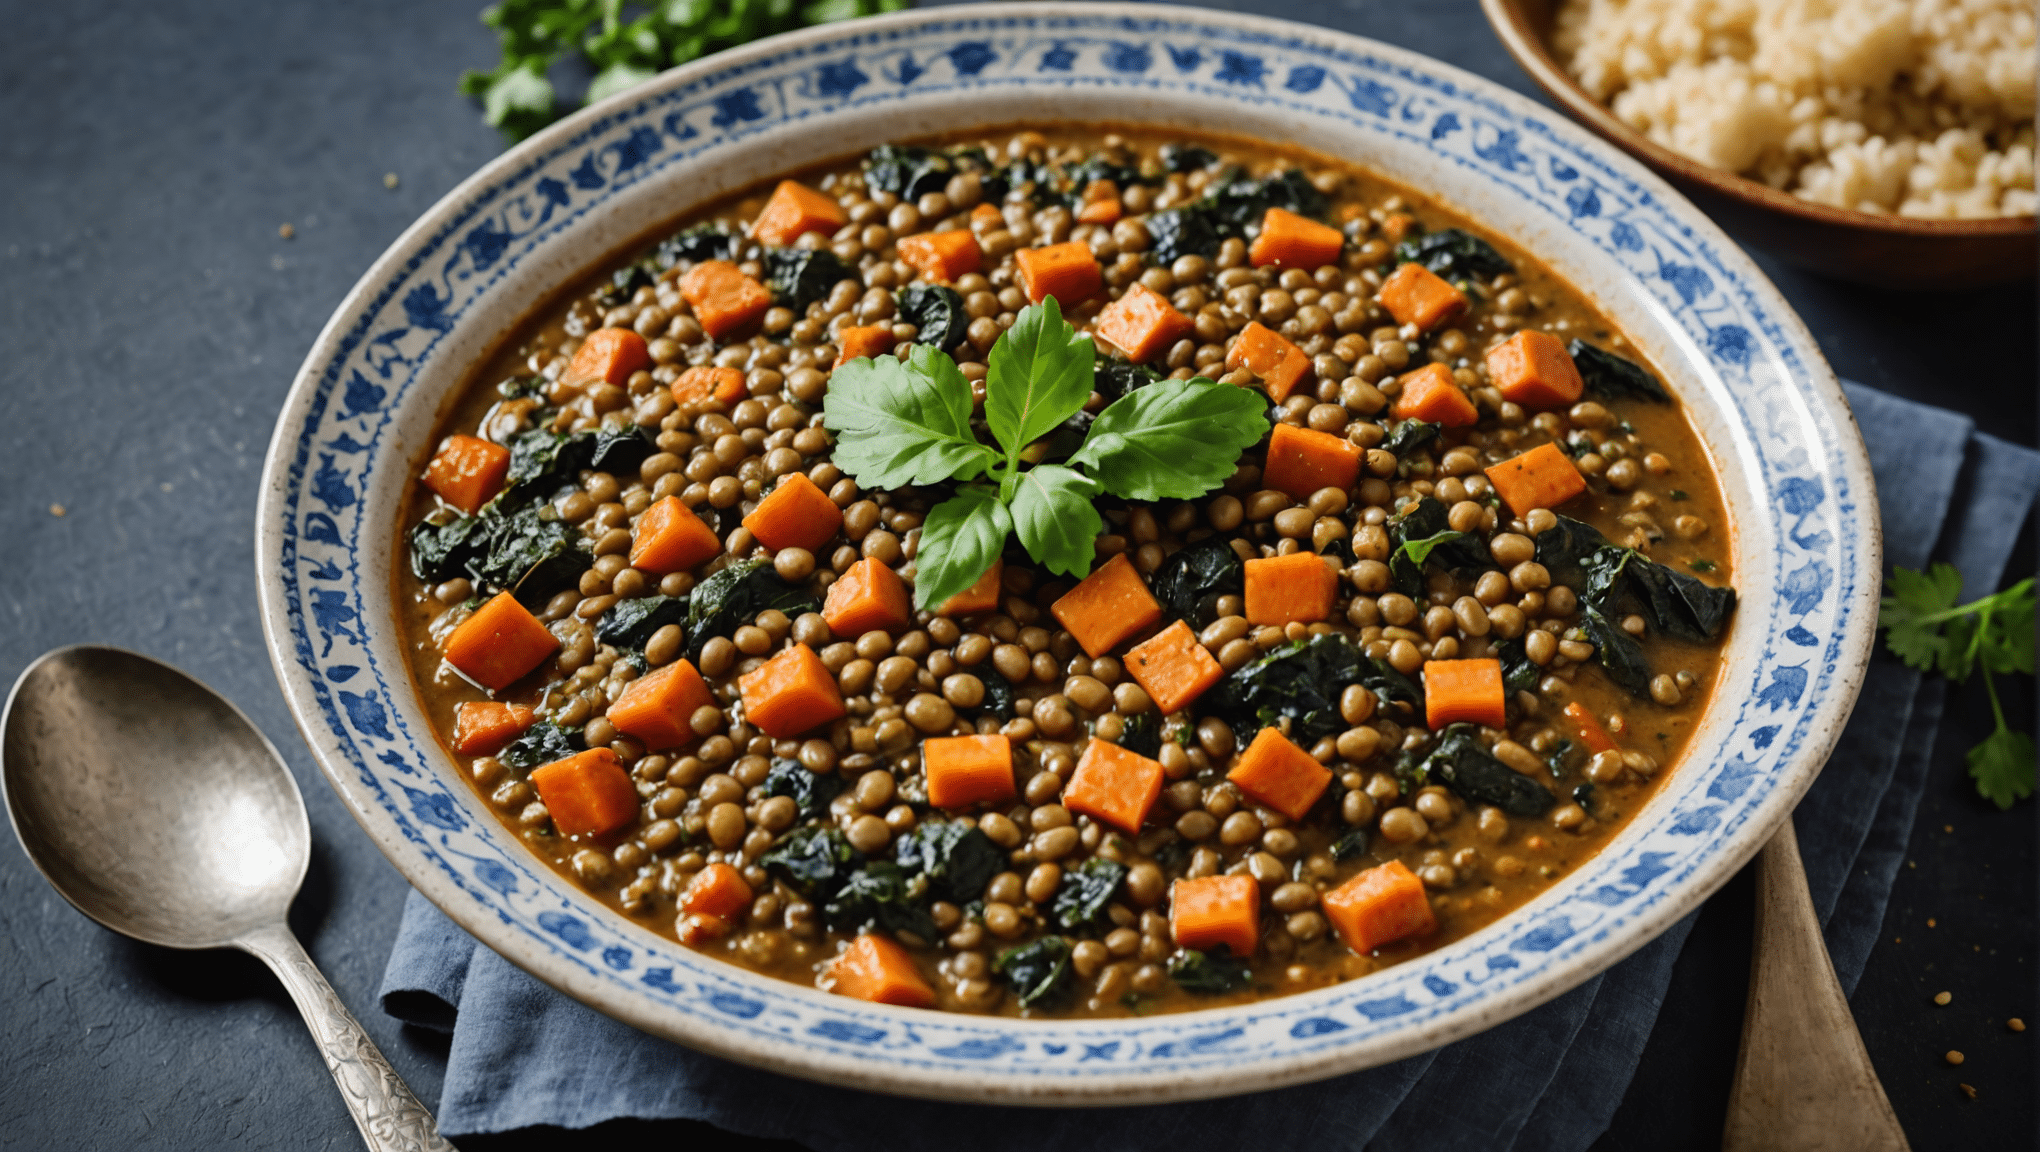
(1815, 398)
(1512, 24)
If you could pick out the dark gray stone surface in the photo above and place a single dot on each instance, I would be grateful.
(152, 319)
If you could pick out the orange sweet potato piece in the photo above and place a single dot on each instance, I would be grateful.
(986, 217)
(1380, 906)
(483, 727)
(498, 643)
(1172, 667)
(1591, 733)
(709, 382)
(1291, 241)
(1142, 324)
(467, 472)
(1215, 910)
(967, 770)
(1543, 477)
(794, 210)
(656, 708)
(588, 794)
(717, 890)
(1277, 773)
(724, 300)
(671, 538)
(1109, 605)
(795, 514)
(1417, 295)
(868, 597)
(791, 693)
(608, 355)
(1114, 785)
(1464, 690)
(1263, 351)
(1301, 461)
(1068, 272)
(943, 256)
(1299, 587)
(861, 343)
(1429, 394)
(698, 929)
(1533, 369)
(877, 969)
(982, 596)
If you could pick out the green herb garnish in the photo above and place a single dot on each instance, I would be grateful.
(1702, 565)
(908, 422)
(1926, 628)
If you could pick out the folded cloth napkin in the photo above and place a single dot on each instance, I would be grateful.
(524, 1055)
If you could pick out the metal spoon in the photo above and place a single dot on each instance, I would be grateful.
(157, 809)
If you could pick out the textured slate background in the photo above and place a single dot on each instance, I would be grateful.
(152, 318)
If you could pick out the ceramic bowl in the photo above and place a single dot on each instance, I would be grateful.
(1863, 247)
(363, 409)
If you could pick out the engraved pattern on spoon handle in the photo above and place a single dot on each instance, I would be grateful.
(390, 1117)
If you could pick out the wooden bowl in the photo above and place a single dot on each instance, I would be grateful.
(1862, 247)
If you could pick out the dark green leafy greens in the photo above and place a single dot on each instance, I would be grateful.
(1519, 672)
(543, 462)
(1039, 971)
(911, 172)
(811, 791)
(1454, 255)
(1926, 625)
(1228, 209)
(1186, 157)
(733, 597)
(1460, 762)
(815, 861)
(1350, 846)
(1619, 580)
(1618, 652)
(542, 743)
(1085, 891)
(630, 623)
(958, 860)
(799, 277)
(1613, 377)
(696, 244)
(1209, 973)
(1143, 734)
(880, 894)
(620, 448)
(1410, 436)
(530, 555)
(1190, 581)
(1420, 534)
(938, 313)
(1302, 681)
(1112, 378)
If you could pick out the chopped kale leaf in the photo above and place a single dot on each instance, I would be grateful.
(937, 312)
(620, 448)
(811, 791)
(733, 598)
(1209, 973)
(1186, 157)
(1613, 377)
(630, 623)
(957, 859)
(1302, 680)
(1410, 436)
(815, 861)
(1353, 844)
(699, 243)
(879, 895)
(1085, 891)
(1189, 583)
(800, 276)
(542, 743)
(1454, 255)
(1143, 734)
(1460, 762)
(1039, 971)
(1113, 378)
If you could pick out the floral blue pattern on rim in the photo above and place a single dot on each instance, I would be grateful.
(337, 433)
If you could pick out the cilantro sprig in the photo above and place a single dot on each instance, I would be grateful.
(1926, 627)
(909, 422)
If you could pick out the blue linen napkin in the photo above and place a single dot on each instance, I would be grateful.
(523, 1055)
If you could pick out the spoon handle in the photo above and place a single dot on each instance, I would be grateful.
(391, 1119)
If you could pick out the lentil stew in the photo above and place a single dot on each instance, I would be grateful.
(1426, 650)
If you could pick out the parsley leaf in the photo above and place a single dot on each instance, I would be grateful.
(1177, 439)
(1053, 516)
(898, 424)
(1039, 374)
(1925, 626)
(959, 540)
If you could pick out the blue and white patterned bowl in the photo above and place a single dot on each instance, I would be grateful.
(365, 402)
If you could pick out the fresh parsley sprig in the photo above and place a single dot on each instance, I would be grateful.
(909, 422)
(1928, 630)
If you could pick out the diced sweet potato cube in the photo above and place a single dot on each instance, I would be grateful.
(790, 694)
(1214, 910)
(671, 538)
(1380, 906)
(467, 472)
(499, 643)
(1108, 606)
(657, 708)
(1291, 241)
(725, 301)
(795, 514)
(1142, 324)
(1068, 272)
(1543, 477)
(1277, 773)
(1464, 690)
(1582, 720)
(1429, 394)
(872, 340)
(1280, 365)
(608, 356)
(717, 890)
(982, 596)
(1172, 667)
(942, 256)
(794, 210)
(1301, 461)
(1114, 786)
(485, 727)
(868, 597)
(1533, 369)
(1417, 295)
(588, 794)
(967, 770)
(877, 969)
(709, 382)
(1299, 587)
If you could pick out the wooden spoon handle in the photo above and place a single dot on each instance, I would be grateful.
(1803, 1080)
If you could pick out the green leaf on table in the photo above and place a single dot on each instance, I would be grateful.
(518, 100)
(1053, 516)
(898, 424)
(1174, 440)
(1038, 375)
(618, 77)
(959, 540)
(2003, 766)
(1906, 615)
